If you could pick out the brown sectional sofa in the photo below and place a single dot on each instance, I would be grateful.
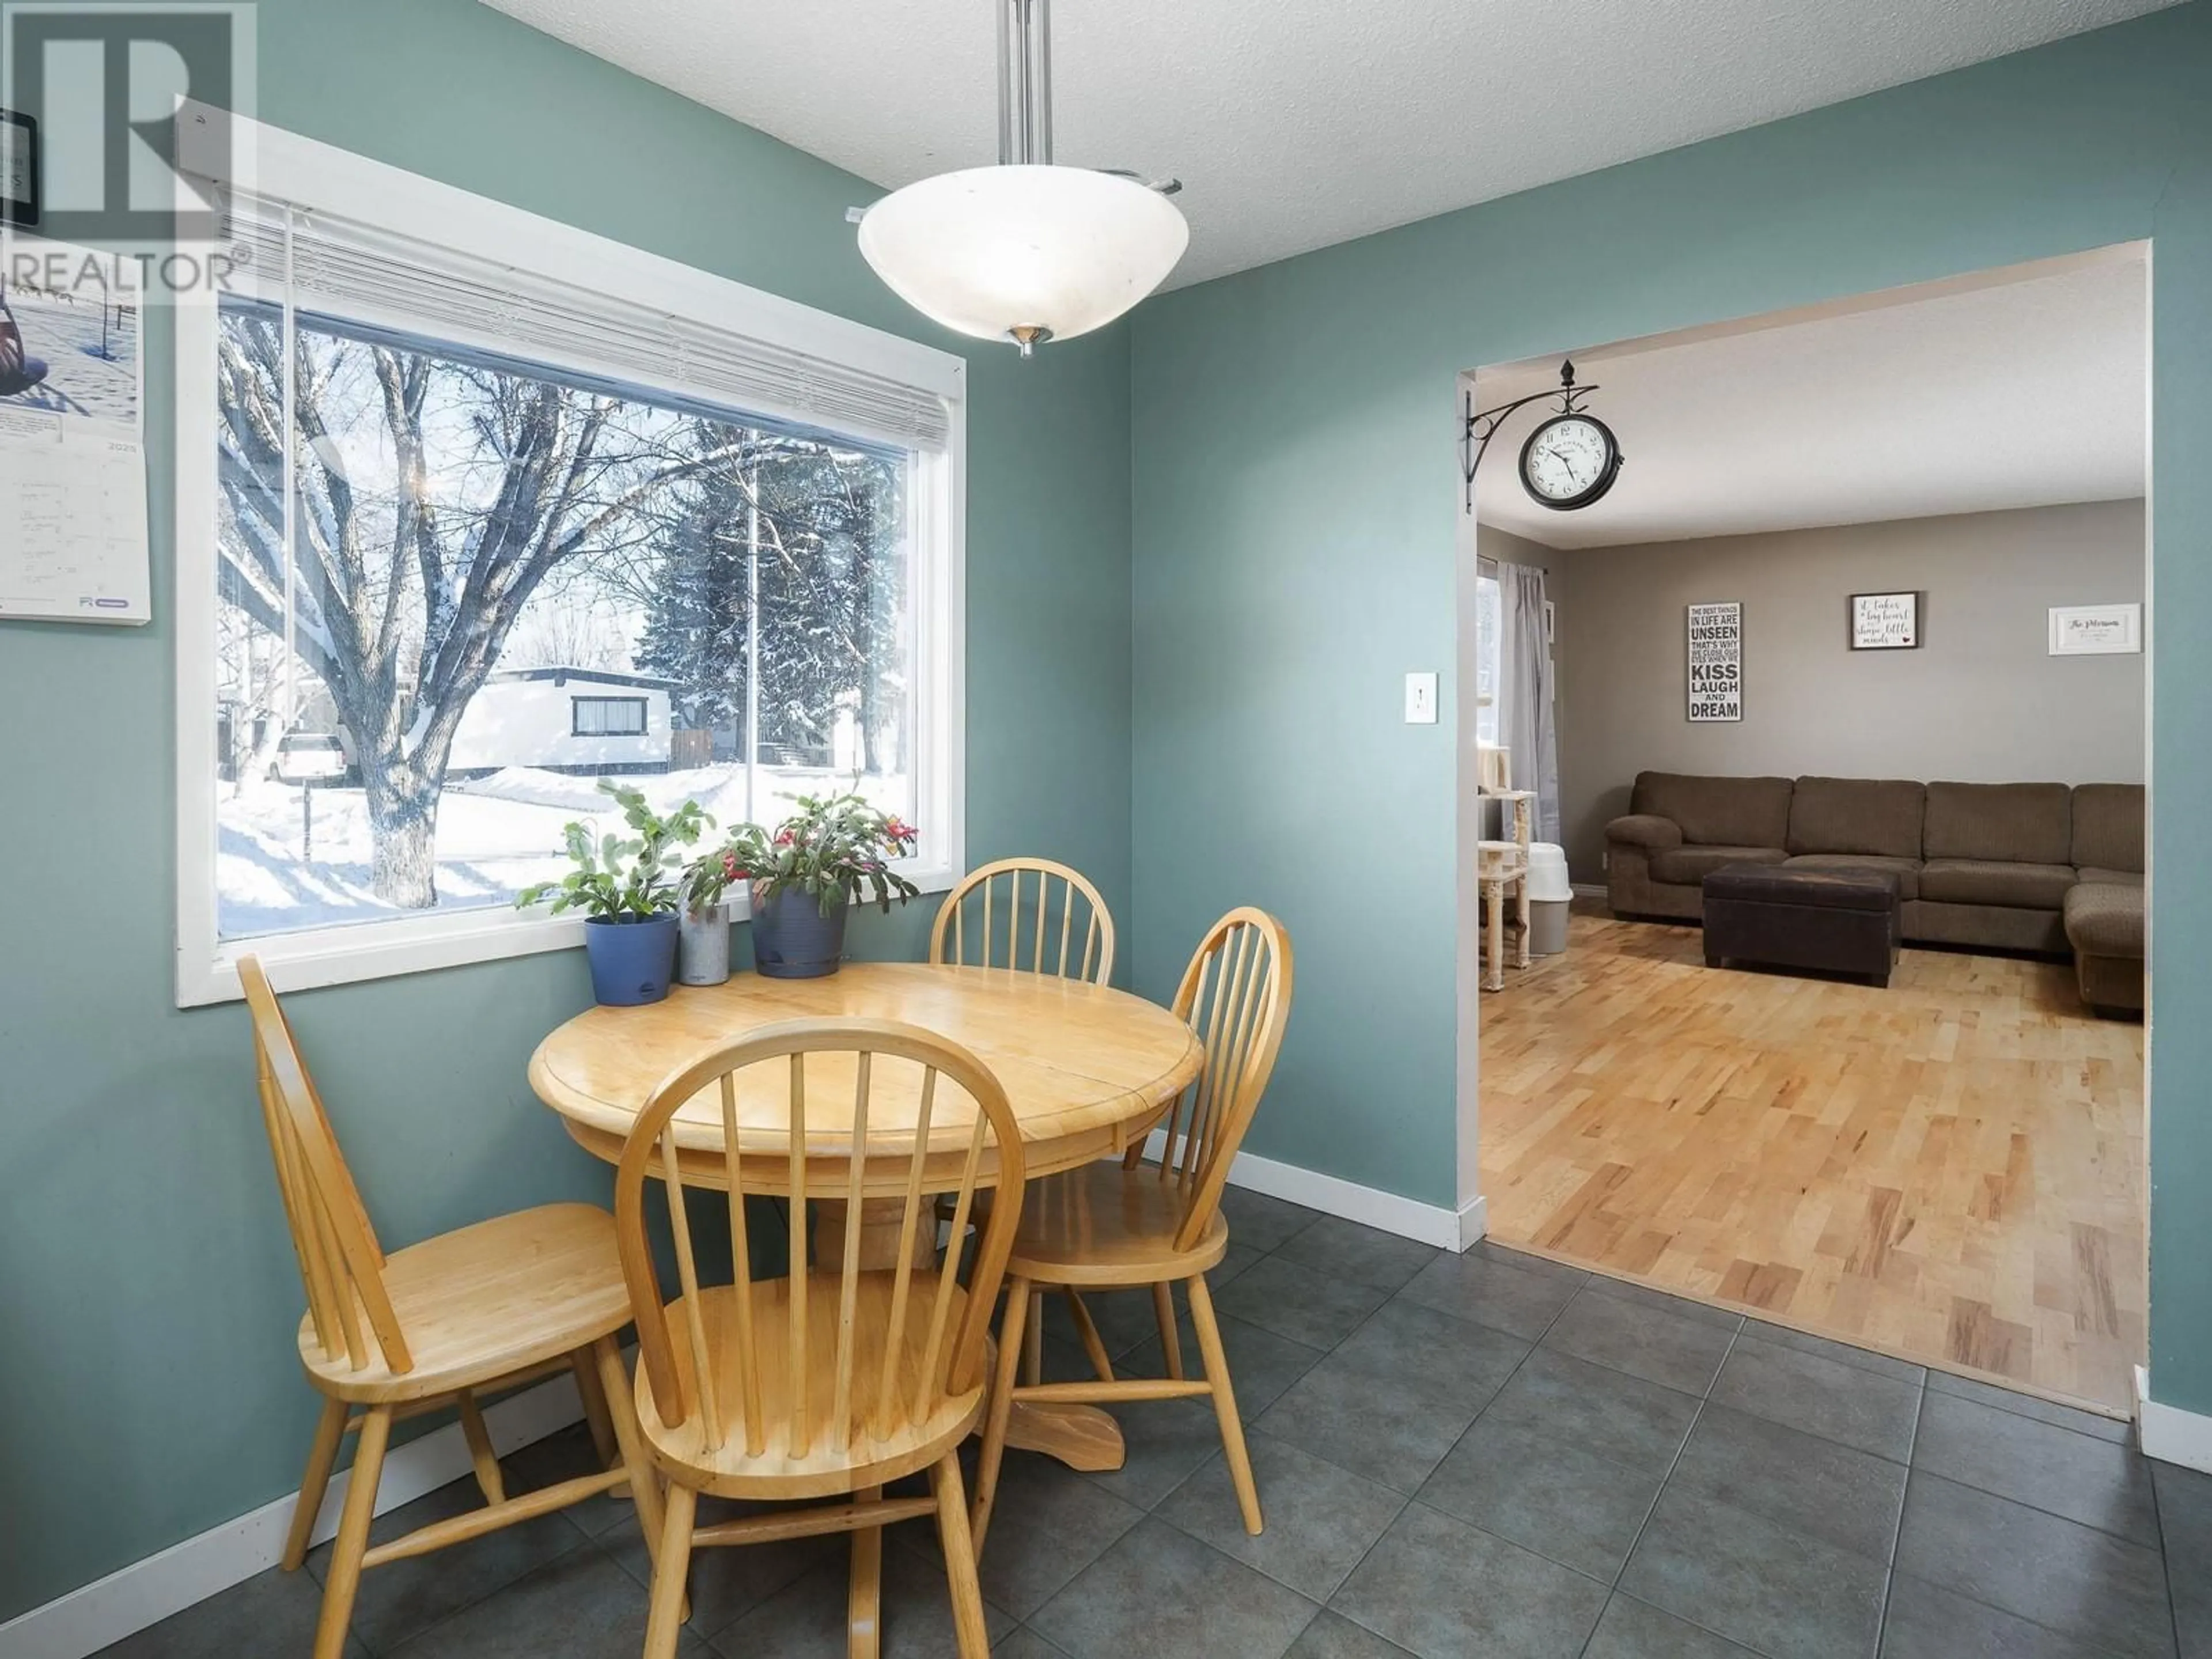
(2014, 866)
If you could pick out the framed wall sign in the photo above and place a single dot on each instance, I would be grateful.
(1715, 661)
(2095, 630)
(19, 169)
(1885, 621)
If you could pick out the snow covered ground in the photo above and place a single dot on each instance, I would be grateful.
(497, 835)
(65, 335)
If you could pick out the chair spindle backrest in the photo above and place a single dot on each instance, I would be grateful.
(1031, 914)
(828, 1377)
(1236, 995)
(340, 1261)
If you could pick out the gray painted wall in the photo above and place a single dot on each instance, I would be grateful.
(1981, 699)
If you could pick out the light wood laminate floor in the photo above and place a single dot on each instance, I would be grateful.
(1951, 1170)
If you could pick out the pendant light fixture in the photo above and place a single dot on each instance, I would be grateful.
(1025, 251)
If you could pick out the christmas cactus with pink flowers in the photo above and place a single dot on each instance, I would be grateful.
(836, 849)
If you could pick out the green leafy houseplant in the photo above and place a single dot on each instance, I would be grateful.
(622, 878)
(833, 847)
(806, 874)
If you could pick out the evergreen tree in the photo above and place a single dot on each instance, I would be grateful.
(696, 628)
(831, 593)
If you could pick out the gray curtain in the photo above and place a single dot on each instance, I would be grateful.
(1526, 706)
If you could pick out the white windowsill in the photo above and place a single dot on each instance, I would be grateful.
(385, 949)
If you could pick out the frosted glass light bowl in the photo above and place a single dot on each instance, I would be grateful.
(992, 251)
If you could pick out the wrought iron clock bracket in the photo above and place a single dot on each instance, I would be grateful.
(1480, 426)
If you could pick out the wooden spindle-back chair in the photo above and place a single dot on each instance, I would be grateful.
(485, 1309)
(1030, 914)
(1116, 1226)
(837, 1377)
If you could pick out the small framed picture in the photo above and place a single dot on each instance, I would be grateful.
(2095, 630)
(1885, 621)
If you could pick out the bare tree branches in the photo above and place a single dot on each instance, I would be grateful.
(436, 496)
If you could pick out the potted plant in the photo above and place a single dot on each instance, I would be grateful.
(702, 932)
(627, 894)
(806, 874)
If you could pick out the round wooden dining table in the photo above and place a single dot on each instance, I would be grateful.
(1087, 1068)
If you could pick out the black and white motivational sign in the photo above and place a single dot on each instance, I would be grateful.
(1715, 661)
(1885, 621)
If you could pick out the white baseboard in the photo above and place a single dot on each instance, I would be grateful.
(2169, 1433)
(1473, 1224)
(1587, 890)
(146, 1592)
(1408, 1218)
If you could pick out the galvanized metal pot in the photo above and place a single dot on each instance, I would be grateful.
(703, 946)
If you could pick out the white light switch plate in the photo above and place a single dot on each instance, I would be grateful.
(1420, 699)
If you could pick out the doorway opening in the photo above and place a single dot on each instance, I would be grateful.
(1836, 711)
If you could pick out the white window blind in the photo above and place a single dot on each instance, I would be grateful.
(324, 258)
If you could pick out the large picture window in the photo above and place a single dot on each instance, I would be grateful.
(471, 578)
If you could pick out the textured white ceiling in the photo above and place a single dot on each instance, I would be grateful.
(2023, 388)
(1294, 124)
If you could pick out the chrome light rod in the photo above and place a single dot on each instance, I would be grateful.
(1024, 82)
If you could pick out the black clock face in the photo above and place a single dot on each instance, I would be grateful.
(1569, 461)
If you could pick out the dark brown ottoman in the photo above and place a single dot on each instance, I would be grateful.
(1832, 920)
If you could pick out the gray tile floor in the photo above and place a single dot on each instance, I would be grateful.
(1485, 1456)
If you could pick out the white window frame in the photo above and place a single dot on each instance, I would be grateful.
(290, 169)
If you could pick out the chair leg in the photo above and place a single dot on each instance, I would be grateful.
(864, 1593)
(330, 1430)
(1087, 1328)
(595, 1407)
(1033, 1341)
(344, 1577)
(621, 1412)
(1171, 1338)
(959, 1558)
(1224, 1403)
(664, 1622)
(480, 1452)
(1002, 1406)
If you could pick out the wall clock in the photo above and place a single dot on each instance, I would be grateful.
(1569, 461)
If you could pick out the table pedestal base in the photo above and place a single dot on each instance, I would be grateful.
(1081, 1437)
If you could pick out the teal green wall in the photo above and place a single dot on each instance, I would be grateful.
(1290, 501)
(147, 1298)
(1295, 511)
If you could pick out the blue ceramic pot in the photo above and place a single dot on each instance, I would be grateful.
(632, 957)
(792, 938)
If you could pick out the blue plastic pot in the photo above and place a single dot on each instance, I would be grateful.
(792, 938)
(632, 957)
